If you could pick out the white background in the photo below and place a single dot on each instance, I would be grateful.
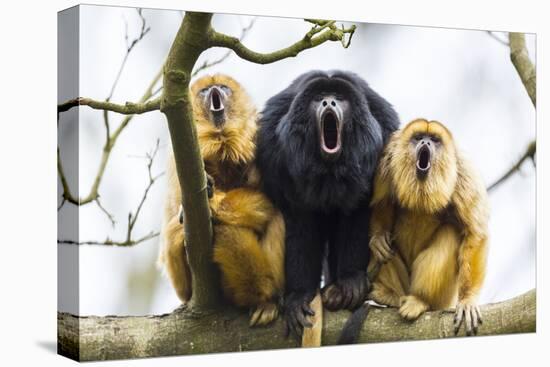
(29, 180)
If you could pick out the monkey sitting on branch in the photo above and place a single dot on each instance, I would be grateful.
(429, 226)
(248, 230)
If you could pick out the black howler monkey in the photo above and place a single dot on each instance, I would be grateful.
(319, 142)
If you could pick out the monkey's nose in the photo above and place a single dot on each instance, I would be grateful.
(329, 101)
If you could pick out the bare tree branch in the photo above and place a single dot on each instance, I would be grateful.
(529, 154)
(321, 32)
(129, 47)
(132, 218)
(523, 65)
(129, 108)
(184, 331)
(207, 64)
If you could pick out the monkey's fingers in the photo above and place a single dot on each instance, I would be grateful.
(256, 315)
(459, 315)
(468, 320)
(307, 309)
(331, 296)
(478, 313)
(209, 185)
(264, 314)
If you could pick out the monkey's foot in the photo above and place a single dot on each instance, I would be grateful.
(381, 249)
(348, 293)
(470, 313)
(384, 296)
(412, 307)
(297, 308)
(264, 314)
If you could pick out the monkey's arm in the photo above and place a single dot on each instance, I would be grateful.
(382, 218)
(472, 208)
(303, 258)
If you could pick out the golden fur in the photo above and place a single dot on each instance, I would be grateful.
(248, 231)
(436, 227)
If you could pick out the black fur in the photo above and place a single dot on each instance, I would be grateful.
(323, 201)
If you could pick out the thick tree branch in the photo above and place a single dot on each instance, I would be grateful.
(523, 65)
(190, 41)
(321, 32)
(529, 154)
(187, 332)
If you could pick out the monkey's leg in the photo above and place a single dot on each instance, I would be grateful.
(433, 275)
(174, 258)
(246, 275)
(391, 283)
(352, 258)
(244, 207)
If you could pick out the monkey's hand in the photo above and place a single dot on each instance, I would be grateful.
(296, 311)
(209, 192)
(380, 247)
(209, 185)
(263, 314)
(348, 293)
(468, 312)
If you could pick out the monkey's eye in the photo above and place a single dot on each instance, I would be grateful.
(340, 97)
(417, 137)
(226, 89)
(436, 139)
(203, 91)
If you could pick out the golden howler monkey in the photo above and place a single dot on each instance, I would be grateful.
(429, 226)
(248, 231)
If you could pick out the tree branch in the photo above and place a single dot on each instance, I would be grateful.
(523, 65)
(185, 331)
(321, 32)
(208, 64)
(129, 108)
(529, 154)
(132, 218)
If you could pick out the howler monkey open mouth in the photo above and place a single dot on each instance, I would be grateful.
(423, 159)
(330, 129)
(217, 107)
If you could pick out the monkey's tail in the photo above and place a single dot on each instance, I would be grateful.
(353, 326)
(312, 336)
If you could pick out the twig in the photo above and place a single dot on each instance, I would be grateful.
(207, 64)
(529, 154)
(132, 218)
(129, 108)
(109, 242)
(321, 32)
(129, 47)
(523, 65)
